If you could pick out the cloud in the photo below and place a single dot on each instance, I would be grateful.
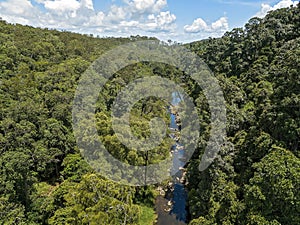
(80, 15)
(239, 2)
(61, 6)
(117, 14)
(265, 8)
(199, 25)
(16, 7)
(66, 4)
(220, 24)
(87, 4)
(146, 6)
(164, 21)
(132, 17)
(95, 20)
(18, 11)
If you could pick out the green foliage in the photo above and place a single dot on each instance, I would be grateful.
(147, 216)
(74, 167)
(253, 181)
(97, 201)
(274, 189)
(11, 213)
(39, 161)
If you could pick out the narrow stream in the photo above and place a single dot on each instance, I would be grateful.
(174, 203)
(179, 195)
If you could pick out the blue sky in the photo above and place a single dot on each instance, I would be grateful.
(178, 20)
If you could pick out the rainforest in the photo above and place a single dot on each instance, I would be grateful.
(253, 180)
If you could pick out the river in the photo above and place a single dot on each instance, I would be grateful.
(172, 209)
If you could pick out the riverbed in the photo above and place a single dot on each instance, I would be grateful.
(172, 208)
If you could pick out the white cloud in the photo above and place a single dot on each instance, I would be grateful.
(265, 8)
(164, 21)
(159, 5)
(148, 6)
(16, 7)
(220, 24)
(96, 20)
(132, 23)
(61, 6)
(138, 16)
(87, 4)
(165, 18)
(199, 25)
(240, 2)
(116, 14)
(132, 17)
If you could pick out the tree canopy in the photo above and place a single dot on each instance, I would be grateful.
(253, 180)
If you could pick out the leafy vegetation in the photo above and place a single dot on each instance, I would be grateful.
(254, 179)
(44, 180)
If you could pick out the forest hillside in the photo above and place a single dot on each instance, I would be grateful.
(254, 180)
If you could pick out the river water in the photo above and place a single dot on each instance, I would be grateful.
(177, 195)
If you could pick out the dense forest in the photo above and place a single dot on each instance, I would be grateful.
(254, 180)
